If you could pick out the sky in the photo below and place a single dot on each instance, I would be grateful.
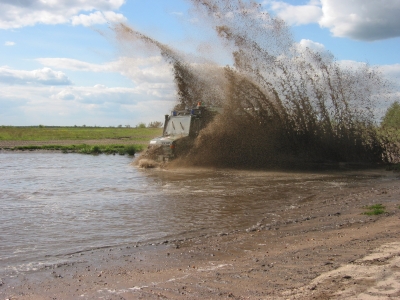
(60, 64)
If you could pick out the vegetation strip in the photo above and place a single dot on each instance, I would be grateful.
(84, 149)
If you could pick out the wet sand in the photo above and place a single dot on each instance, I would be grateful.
(321, 248)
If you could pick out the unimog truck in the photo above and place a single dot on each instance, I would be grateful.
(180, 130)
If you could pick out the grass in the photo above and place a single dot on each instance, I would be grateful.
(85, 149)
(45, 133)
(135, 139)
(374, 210)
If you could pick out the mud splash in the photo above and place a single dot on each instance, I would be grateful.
(283, 103)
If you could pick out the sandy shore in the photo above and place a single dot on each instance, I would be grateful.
(321, 248)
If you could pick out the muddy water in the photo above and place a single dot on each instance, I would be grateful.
(53, 204)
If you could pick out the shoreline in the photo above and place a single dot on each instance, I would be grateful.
(10, 144)
(7, 146)
(94, 147)
(309, 251)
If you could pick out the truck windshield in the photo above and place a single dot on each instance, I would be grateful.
(178, 125)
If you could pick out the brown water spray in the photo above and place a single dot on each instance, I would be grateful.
(282, 103)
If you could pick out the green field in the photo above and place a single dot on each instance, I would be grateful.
(137, 135)
(111, 140)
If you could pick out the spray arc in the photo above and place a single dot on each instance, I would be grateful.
(281, 102)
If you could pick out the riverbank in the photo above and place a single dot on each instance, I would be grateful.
(89, 147)
(93, 142)
(323, 247)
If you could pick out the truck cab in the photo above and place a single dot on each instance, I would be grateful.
(180, 130)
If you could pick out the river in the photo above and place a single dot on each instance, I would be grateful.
(54, 205)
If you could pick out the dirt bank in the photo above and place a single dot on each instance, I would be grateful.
(321, 248)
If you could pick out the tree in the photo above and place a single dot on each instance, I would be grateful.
(141, 125)
(392, 116)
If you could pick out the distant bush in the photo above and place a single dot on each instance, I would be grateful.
(155, 124)
(141, 125)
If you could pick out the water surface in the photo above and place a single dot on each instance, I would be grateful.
(55, 204)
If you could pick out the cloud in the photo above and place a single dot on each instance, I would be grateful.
(100, 94)
(8, 43)
(44, 76)
(389, 72)
(304, 43)
(389, 93)
(392, 71)
(296, 14)
(97, 18)
(17, 14)
(362, 20)
(96, 105)
(75, 65)
(357, 19)
(304, 46)
(37, 97)
(139, 70)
